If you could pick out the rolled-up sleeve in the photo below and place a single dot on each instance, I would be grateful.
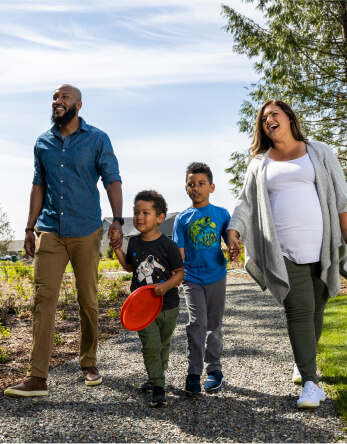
(39, 171)
(242, 215)
(107, 163)
(338, 179)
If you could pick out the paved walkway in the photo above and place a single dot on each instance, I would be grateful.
(257, 404)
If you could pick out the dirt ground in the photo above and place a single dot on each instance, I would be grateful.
(18, 344)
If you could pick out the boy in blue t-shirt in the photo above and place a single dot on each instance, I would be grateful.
(198, 231)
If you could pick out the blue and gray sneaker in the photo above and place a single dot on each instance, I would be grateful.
(158, 397)
(146, 387)
(214, 381)
(193, 386)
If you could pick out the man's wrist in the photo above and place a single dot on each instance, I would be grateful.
(118, 219)
(29, 229)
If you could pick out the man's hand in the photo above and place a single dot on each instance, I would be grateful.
(29, 243)
(160, 289)
(115, 234)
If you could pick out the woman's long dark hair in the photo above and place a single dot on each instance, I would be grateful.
(261, 142)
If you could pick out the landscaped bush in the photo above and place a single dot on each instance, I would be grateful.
(17, 287)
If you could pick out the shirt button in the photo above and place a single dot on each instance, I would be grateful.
(62, 214)
(61, 197)
(64, 151)
(61, 181)
(61, 165)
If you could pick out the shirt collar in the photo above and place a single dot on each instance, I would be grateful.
(83, 127)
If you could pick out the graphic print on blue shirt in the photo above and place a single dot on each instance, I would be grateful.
(199, 231)
(203, 233)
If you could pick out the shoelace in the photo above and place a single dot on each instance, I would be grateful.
(309, 391)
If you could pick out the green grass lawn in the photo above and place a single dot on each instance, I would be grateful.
(332, 352)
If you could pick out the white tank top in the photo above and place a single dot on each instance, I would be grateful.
(296, 208)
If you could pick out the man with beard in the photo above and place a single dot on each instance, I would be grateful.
(66, 216)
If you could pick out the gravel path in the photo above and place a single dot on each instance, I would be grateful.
(257, 404)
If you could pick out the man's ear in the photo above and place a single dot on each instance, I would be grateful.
(79, 105)
(212, 187)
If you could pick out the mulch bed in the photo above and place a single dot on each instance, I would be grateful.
(18, 344)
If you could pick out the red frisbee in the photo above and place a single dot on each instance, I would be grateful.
(140, 308)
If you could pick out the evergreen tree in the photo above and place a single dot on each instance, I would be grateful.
(301, 57)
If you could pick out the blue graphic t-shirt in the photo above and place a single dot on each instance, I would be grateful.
(199, 232)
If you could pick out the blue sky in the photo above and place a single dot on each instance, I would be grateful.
(158, 76)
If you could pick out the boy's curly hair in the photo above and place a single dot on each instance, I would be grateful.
(199, 167)
(159, 202)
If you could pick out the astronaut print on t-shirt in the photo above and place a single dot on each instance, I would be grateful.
(146, 269)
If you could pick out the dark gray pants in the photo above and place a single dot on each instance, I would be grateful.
(204, 330)
(304, 307)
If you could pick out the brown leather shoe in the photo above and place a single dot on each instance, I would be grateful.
(31, 386)
(91, 376)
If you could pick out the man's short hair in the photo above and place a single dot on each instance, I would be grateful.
(199, 167)
(158, 200)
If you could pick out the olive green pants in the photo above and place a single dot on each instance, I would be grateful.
(304, 308)
(155, 341)
(52, 254)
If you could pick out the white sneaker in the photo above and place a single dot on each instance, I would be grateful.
(296, 378)
(311, 396)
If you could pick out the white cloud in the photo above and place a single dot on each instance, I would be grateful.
(28, 34)
(201, 9)
(71, 50)
(120, 66)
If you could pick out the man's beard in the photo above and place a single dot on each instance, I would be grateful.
(65, 118)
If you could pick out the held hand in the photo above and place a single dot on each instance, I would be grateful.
(234, 248)
(115, 235)
(29, 243)
(160, 289)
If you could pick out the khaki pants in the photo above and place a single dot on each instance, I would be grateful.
(52, 254)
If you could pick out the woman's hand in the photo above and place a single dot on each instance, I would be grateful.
(343, 225)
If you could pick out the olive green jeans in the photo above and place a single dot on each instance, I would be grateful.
(155, 341)
(52, 254)
(304, 308)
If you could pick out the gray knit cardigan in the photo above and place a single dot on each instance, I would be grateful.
(253, 219)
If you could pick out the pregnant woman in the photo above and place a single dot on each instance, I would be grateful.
(292, 218)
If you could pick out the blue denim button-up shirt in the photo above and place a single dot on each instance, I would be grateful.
(69, 168)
